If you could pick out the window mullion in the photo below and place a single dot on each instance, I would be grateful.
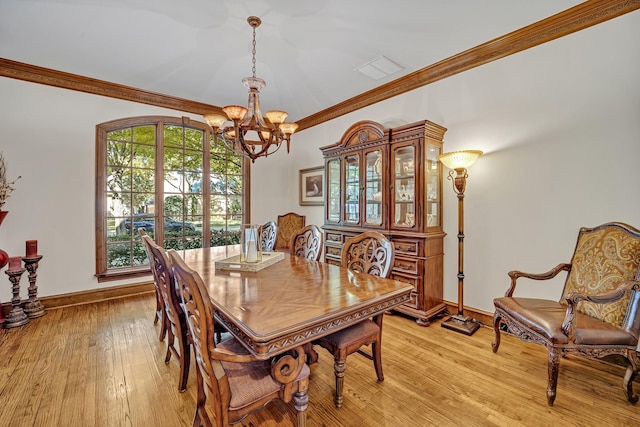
(159, 185)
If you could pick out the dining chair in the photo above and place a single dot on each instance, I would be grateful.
(288, 224)
(176, 321)
(367, 253)
(268, 233)
(160, 314)
(231, 382)
(307, 243)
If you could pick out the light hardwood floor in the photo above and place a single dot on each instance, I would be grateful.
(102, 365)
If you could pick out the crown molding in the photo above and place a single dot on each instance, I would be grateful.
(577, 18)
(61, 79)
(569, 21)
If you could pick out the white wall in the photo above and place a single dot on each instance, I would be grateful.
(47, 135)
(559, 124)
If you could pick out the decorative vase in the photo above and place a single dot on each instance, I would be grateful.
(4, 257)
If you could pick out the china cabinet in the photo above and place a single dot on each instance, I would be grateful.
(390, 180)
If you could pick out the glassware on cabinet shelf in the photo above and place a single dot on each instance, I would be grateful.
(433, 185)
(373, 187)
(333, 191)
(352, 188)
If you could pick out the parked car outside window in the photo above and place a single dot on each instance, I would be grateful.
(147, 222)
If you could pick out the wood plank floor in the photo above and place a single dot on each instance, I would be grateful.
(102, 365)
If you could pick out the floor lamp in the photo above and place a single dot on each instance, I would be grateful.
(459, 161)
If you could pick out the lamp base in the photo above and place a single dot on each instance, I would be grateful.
(461, 323)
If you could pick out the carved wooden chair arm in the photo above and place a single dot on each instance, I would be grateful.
(286, 367)
(515, 275)
(569, 323)
(229, 356)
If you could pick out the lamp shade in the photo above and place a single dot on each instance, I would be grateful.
(288, 127)
(215, 120)
(276, 116)
(459, 159)
(235, 112)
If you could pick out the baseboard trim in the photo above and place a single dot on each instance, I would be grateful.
(90, 296)
(122, 291)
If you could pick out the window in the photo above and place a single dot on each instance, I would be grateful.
(166, 176)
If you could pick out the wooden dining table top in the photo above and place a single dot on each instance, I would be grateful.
(291, 302)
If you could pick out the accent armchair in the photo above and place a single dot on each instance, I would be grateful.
(598, 313)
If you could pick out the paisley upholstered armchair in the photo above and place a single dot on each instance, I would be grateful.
(598, 313)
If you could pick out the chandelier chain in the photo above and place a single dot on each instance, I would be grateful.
(253, 52)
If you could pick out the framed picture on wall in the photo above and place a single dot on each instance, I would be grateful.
(312, 186)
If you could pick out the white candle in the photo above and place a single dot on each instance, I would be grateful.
(252, 251)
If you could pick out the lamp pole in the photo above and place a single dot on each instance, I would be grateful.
(458, 161)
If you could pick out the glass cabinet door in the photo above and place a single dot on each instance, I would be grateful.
(433, 188)
(404, 186)
(333, 191)
(352, 189)
(373, 187)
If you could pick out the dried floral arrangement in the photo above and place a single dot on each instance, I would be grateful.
(6, 187)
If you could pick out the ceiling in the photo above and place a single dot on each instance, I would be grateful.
(307, 51)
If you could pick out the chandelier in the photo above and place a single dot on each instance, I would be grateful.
(252, 135)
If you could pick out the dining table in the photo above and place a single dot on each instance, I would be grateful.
(291, 302)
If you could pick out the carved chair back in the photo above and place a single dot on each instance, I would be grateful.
(160, 315)
(213, 384)
(369, 252)
(175, 316)
(307, 243)
(268, 234)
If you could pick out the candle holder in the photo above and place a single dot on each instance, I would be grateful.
(33, 307)
(17, 316)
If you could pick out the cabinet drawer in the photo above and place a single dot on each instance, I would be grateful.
(413, 301)
(333, 251)
(333, 261)
(333, 237)
(406, 279)
(407, 247)
(406, 266)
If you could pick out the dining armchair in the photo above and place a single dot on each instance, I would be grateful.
(268, 233)
(367, 253)
(288, 224)
(160, 314)
(598, 314)
(231, 382)
(307, 243)
(176, 321)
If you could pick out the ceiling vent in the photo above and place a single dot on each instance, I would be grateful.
(379, 68)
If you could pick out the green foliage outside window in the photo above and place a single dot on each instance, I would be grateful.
(132, 154)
